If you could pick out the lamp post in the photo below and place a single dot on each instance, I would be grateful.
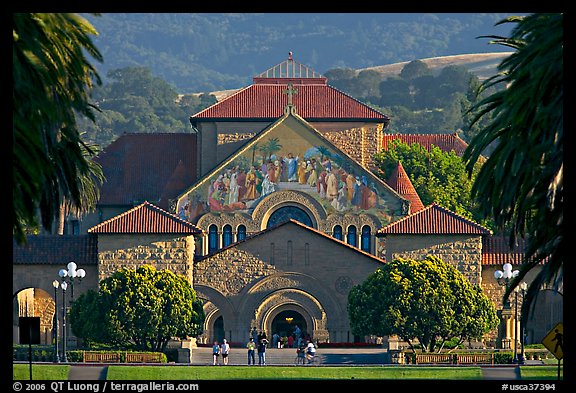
(56, 284)
(522, 288)
(503, 277)
(69, 276)
(64, 285)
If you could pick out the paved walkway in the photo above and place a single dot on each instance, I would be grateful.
(87, 373)
(285, 356)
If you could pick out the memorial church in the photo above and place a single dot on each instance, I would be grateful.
(270, 206)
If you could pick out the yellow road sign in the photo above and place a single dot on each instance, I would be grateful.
(554, 341)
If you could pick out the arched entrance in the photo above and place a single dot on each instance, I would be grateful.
(219, 329)
(286, 321)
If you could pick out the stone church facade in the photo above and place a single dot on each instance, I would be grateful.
(232, 207)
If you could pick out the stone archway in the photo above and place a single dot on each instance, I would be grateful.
(34, 302)
(300, 303)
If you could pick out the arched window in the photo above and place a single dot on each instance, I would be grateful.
(226, 235)
(351, 236)
(241, 234)
(337, 232)
(365, 240)
(212, 238)
(286, 213)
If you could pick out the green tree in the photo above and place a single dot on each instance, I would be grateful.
(414, 69)
(395, 91)
(52, 80)
(136, 101)
(436, 175)
(141, 307)
(426, 300)
(521, 183)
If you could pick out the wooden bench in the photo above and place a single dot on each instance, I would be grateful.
(142, 357)
(475, 358)
(434, 358)
(100, 357)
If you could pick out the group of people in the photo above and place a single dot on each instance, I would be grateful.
(220, 350)
(257, 343)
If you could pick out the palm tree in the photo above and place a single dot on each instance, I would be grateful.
(521, 184)
(52, 79)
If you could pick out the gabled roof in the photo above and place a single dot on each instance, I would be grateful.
(434, 219)
(264, 100)
(400, 181)
(152, 167)
(146, 218)
(445, 142)
(266, 103)
(289, 112)
(306, 227)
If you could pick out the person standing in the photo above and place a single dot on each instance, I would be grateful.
(225, 350)
(251, 345)
(262, 352)
(215, 353)
(310, 351)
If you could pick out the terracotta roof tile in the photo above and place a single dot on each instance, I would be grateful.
(496, 250)
(56, 250)
(446, 142)
(146, 218)
(313, 102)
(151, 167)
(436, 220)
(400, 182)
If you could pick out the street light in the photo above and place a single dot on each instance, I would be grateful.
(503, 277)
(55, 284)
(522, 289)
(69, 276)
(64, 285)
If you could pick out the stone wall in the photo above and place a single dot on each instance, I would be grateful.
(290, 268)
(464, 252)
(171, 252)
(359, 143)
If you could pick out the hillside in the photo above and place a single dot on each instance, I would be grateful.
(218, 51)
(483, 65)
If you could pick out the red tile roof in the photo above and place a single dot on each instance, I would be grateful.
(267, 97)
(152, 167)
(56, 250)
(446, 142)
(497, 251)
(146, 218)
(266, 102)
(434, 219)
(400, 182)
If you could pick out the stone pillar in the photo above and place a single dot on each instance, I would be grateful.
(505, 329)
(185, 350)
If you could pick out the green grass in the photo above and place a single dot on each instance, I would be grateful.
(182, 372)
(541, 372)
(40, 371)
(284, 372)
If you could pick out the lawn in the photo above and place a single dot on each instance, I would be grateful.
(181, 372)
(289, 372)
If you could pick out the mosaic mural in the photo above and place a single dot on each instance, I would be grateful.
(289, 158)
